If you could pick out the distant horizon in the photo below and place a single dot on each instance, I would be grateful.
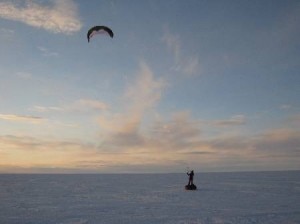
(201, 172)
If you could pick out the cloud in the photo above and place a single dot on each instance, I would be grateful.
(177, 134)
(294, 119)
(29, 154)
(234, 120)
(43, 109)
(181, 137)
(26, 143)
(47, 53)
(135, 138)
(285, 106)
(88, 104)
(68, 156)
(173, 43)
(24, 75)
(279, 142)
(169, 151)
(175, 138)
(140, 97)
(189, 64)
(61, 17)
(21, 118)
(146, 91)
(287, 27)
(230, 144)
(6, 32)
(81, 105)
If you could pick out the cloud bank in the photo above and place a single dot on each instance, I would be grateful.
(166, 152)
(134, 137)
(61, 17)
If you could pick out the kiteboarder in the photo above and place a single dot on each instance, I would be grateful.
(191, 177)
(191, 185)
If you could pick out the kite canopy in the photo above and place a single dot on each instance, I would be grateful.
(99, 30)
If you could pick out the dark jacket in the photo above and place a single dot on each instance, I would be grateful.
(191, 175)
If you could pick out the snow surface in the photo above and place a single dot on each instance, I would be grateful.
(254, 197)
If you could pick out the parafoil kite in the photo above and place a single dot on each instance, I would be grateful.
(99, 30)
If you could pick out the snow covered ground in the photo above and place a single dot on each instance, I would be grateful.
(254, 197)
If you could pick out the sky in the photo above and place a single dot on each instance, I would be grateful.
(204, 85)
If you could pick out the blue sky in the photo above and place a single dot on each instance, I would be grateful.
(209, 85)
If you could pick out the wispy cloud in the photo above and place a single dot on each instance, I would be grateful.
(88, 104)
(285, 106)
(81, 105)
(279, 141)
(24, 75)
(141, 96)
(234, 120)
(26, 143)
(191, 66)
(179, 133)
(294, 119)
(6, 32)
(173, 43)
(187, 64)
(61, 17)
(47, 53)
(43, 109)
(21, 118)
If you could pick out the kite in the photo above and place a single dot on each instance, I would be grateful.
(99, 30)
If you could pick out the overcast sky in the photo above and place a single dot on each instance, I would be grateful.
(203, 85)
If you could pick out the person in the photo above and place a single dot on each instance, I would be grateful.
(191, 177)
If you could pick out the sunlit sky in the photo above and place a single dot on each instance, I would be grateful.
(203, 85)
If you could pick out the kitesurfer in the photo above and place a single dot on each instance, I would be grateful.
(191, 177)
